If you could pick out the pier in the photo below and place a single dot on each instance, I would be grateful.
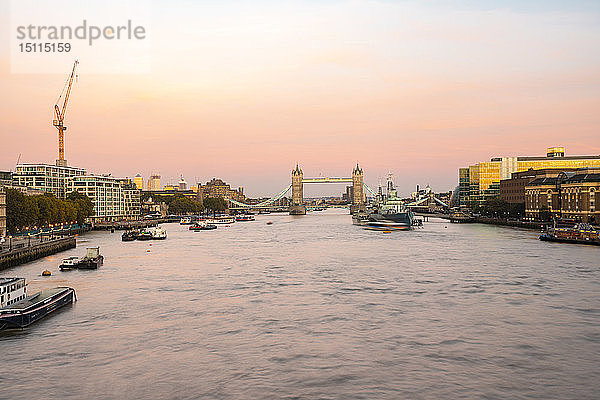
(22, 251)
(127, 225)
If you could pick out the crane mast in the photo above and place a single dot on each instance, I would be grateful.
(59, 113)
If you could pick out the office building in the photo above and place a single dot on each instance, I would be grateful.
(46, 178)
(139, 182)
(154, 183)
(481, 181)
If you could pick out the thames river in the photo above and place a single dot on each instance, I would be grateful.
(313, 307)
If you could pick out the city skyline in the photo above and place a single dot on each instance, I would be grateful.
(418, 90)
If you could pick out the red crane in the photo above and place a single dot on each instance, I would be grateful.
(60, 116)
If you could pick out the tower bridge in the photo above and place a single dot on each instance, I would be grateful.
(298, 206)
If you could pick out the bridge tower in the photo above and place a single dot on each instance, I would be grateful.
(358, 196)
(297, 207)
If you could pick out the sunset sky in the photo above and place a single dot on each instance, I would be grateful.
(244, 90)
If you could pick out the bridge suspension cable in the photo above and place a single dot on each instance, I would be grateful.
(272, 200)
(374, 193)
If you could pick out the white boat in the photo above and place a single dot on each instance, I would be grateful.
(245, 217)
(186, 221)
(221, 220)
(158, 233)
(69, 263)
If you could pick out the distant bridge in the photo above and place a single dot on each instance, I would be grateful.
(297, 184)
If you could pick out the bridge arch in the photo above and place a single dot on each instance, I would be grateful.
(298, 207)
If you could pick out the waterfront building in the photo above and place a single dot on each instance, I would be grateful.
(132, 198)
(2, 212)
(154, 208)
(5, 178)
(218, 188)
(46, 178)
(139, 181)
(114, 199)
(512, 190)
(464, 187)
(154, 183)
(573, 195)
(6, 181)
(481, 181)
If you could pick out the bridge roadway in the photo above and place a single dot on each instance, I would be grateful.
(327, 180)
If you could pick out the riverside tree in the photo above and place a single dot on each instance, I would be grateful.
(183, 205)
(215, 204)
(39, 210)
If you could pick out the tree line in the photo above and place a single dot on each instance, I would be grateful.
(498, 208)
(39, 210)
(179, 204)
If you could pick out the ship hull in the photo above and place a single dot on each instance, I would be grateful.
(550, 238)
(14, 318)
(386, 222)
(92, 263)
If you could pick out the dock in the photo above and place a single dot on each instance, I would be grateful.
(24, 251)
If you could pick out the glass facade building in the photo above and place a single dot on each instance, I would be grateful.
(484, 177)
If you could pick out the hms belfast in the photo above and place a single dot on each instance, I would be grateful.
(389, 213)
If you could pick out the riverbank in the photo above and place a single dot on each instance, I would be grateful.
(517, 224)
(487, 220)
(22, 253)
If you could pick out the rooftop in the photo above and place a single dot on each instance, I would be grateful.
(4, 281)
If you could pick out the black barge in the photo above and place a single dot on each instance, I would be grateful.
(35, 307)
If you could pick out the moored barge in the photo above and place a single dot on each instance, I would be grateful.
(579, 233)
(17, 310)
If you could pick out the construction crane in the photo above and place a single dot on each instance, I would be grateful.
(60, 117)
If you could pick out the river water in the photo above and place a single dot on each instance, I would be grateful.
(313, 307)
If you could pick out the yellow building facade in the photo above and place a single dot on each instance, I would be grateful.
(484, 177)
(138, 180)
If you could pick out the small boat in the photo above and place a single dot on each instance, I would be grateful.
(145, 234)
(221, 220)
(245, 217)
(202, 226)
(186, 221)
(360, 218)
(269, 222)
(46, 273)
(158, 233)
(92, 260)
(69, 263)
(129, 236)
(18, 310)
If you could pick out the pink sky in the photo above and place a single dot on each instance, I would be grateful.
(416, 90)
